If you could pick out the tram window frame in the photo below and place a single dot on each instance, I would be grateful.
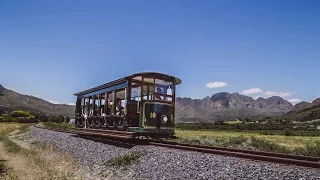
(151, 93)
(165, 85)
(135, 94)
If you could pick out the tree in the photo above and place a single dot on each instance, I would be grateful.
(67, 119)
(60, 119)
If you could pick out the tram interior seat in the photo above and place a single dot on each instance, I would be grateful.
(132, 113)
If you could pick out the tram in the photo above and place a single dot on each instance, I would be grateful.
(143, 103)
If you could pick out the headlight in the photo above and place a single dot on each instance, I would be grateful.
(164, 118)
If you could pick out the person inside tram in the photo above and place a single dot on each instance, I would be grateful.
(157, 96)
(102, 113)
(119, 107)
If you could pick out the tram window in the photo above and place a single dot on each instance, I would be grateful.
(151, 89)
(145, 92)
(135, 92)
(169, 91)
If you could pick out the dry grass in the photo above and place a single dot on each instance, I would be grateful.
(6, 128)
(37, 162)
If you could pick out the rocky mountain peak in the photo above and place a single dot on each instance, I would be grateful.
(316, 101)
(225, 106)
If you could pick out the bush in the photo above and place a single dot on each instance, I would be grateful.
(67, 119)
(264, 145)
(287, 132)
(237, 140)
(15, 114)
(58, 126)
(124, 160)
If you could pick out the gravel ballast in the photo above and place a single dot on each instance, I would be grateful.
(165, 163)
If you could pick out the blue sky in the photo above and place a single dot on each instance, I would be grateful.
(53, 49)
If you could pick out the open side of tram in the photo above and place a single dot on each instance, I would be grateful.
(143, 103)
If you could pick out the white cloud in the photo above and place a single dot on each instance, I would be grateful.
(294, 101)
(54, 102)
(275, 93)
(252, 91)
(318, 96)
(36, 96)
(71, 104)
(216, 84)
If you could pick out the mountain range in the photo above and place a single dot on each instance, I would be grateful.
(226, 106)
(220, 106)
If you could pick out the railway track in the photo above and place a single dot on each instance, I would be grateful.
(306, 161)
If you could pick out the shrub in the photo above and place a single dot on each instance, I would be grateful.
(58, 125)
(15, 114)
(237, 140)
(264, 145)
(287, 132)
(67, 119)
(124, 160)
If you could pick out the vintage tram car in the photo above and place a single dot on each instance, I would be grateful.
(143, 103)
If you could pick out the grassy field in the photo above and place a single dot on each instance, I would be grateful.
(6, 128)
(252, 140)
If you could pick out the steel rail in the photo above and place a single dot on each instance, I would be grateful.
(248, 155)
(306, 161)
(263, 153)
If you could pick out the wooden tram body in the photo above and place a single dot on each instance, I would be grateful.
(143, 103)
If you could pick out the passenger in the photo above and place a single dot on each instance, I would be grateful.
(102, 110)
(157, 96)
(119, 107)
(91, 110)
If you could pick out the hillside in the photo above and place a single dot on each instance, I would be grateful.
(304, 105)
(226, 106)
(303, 111)
(10, 100)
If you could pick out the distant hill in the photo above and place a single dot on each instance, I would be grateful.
(302, 106)
(304, 111)
(10, 100)
(226, 106)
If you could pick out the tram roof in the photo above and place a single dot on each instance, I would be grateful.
(125, 79)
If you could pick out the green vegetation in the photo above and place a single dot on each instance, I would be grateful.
(61, 126)
(10, 146)
(246, 124)
(125, 160)
(253, 141)
(18, 116)
(27, 117)
(303, 115)
(288, 132)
